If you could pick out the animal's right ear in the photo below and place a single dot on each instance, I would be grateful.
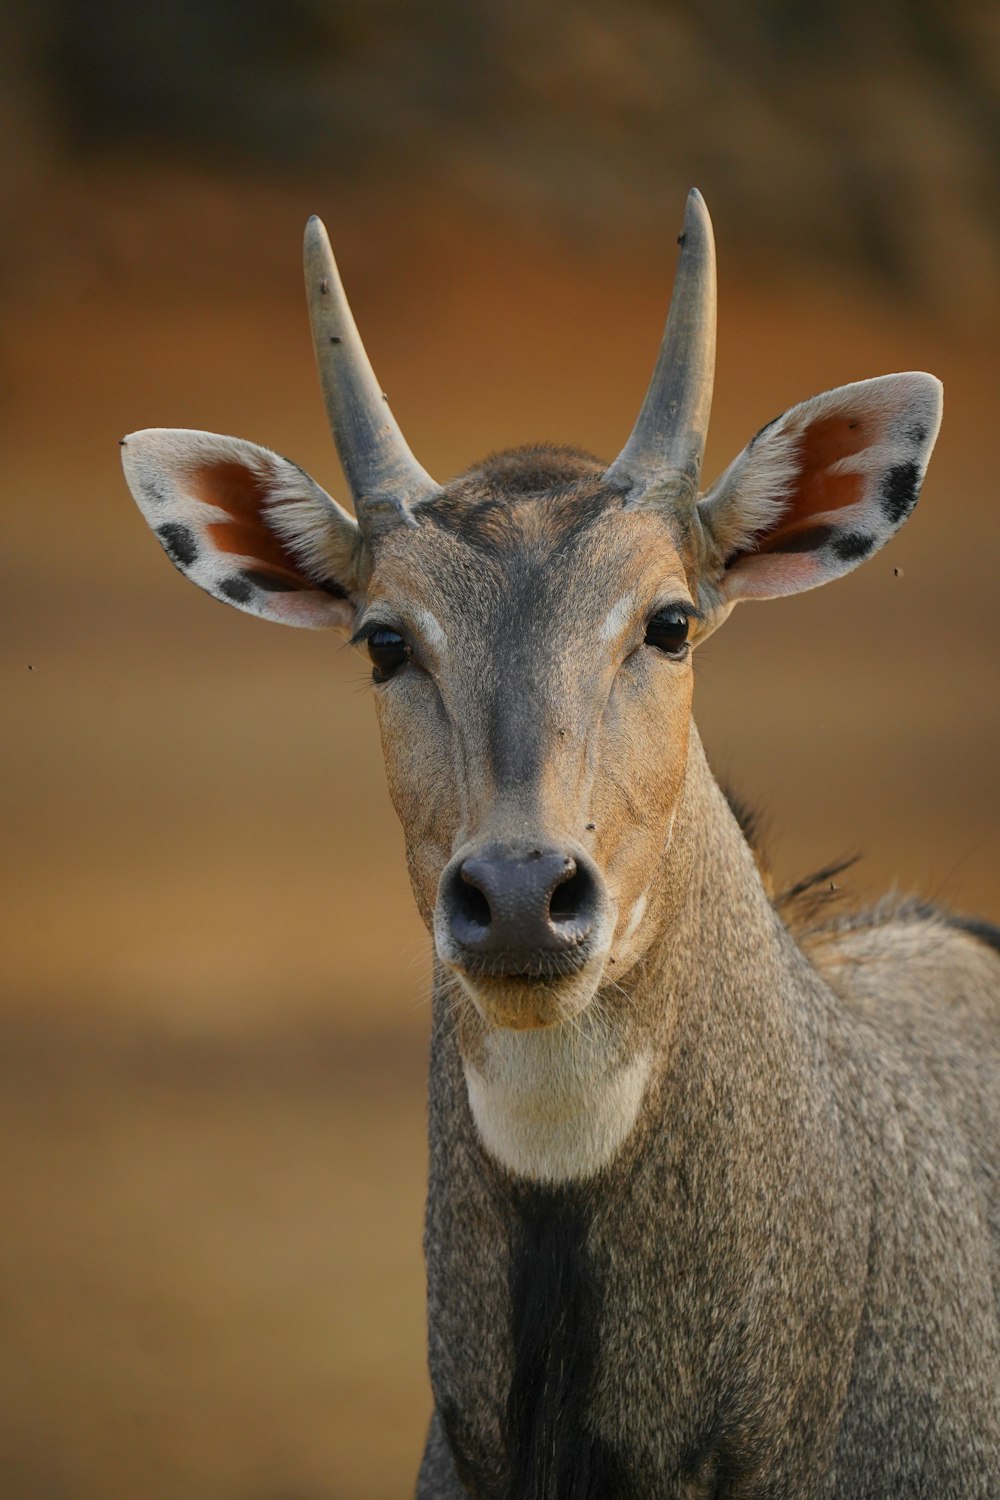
(246, 525)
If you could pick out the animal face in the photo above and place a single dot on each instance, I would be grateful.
(531, 624)
(532, 663)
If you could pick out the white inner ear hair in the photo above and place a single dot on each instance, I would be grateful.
(317, 532)
(753, 493)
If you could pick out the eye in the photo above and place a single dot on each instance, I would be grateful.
(668, 632)
(388, 652)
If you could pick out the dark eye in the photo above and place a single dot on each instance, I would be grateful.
(388, 652)
(668, 632)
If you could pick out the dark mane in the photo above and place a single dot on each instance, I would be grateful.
(805, 905)
(551, 1452)
(801, 904)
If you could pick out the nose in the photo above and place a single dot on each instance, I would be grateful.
(524, 912)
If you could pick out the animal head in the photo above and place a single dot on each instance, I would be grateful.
(531, 624)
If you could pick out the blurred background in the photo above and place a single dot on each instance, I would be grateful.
(212, 1036)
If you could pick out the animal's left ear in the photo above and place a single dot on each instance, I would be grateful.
(821, 488)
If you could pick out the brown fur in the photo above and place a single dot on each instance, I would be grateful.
(825, 445)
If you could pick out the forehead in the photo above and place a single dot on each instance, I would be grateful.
(534, 530)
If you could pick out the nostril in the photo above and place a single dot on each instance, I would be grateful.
(471, 903)
(567, 897)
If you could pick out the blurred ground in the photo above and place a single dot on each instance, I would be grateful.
(213, 1015)
(211, 1270)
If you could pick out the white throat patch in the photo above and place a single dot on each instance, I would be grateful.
(555, 1105)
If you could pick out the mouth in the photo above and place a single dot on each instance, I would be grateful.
(537, 968)
(528, 997)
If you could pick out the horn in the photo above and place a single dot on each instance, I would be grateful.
(384, 477)
(662, 459)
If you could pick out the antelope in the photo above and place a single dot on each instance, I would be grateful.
(714, 1206)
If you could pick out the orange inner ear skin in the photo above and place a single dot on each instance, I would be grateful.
(817, 490)
(254, 541)
(237, 490)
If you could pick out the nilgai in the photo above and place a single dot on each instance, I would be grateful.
(714, 1206)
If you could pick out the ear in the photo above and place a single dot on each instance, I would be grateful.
(821, 488)
(247, 526)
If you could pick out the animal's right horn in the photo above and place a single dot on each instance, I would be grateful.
(384, 477)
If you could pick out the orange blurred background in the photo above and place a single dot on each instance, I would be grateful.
(214, 1009)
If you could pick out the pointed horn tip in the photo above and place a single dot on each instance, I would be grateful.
(697, 222)
(696, 209)
(315, 235)
(317, 255)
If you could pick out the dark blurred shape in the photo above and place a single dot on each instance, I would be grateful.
(260, 83)
(879, 123)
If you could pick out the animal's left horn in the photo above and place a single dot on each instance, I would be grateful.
(384, 477)
(662, 459)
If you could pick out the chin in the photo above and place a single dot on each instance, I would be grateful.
(515, 1002)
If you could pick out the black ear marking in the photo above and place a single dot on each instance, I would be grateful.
(898, 492)
(236, 589)
(155, 494)
(178, 543)
(334, 589)
(271, 582)
(810, 539)
(852, 546)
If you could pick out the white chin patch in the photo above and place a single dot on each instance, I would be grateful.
(555, 1105)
